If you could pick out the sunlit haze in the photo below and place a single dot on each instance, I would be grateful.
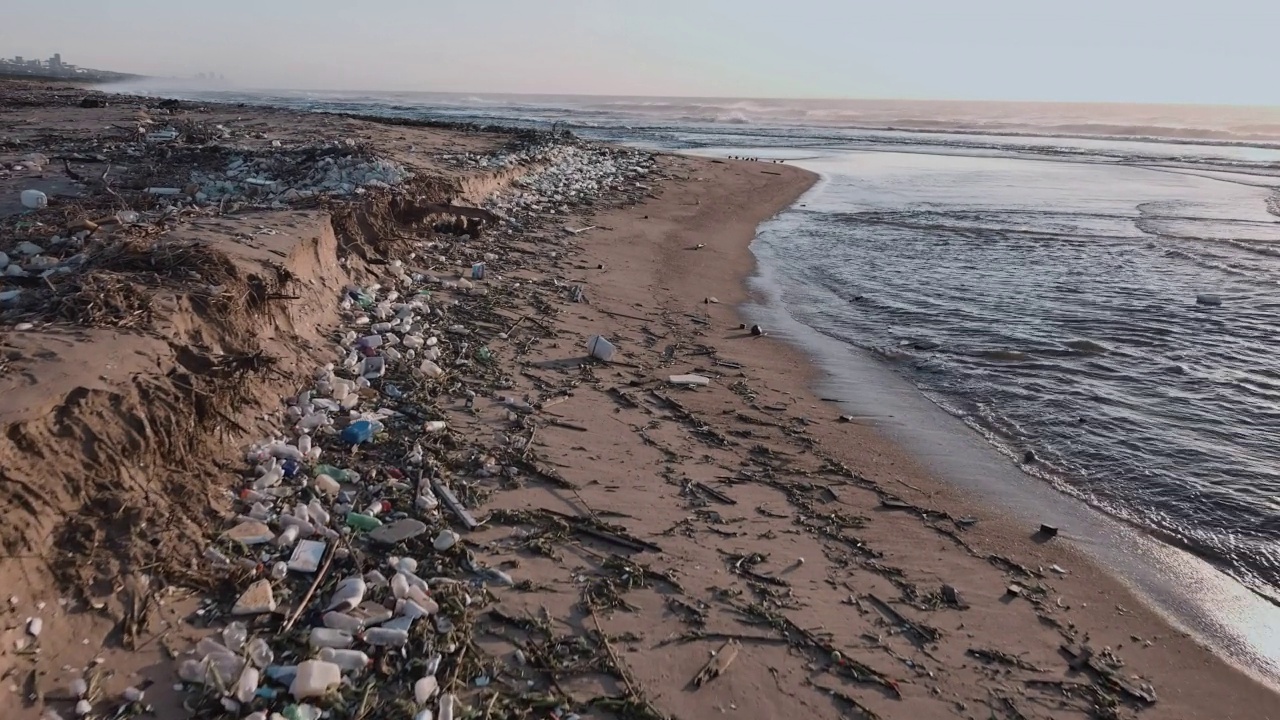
(1089, 50)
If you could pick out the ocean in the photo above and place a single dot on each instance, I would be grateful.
(1031, 269)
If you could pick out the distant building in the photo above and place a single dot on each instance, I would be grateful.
(54, 67)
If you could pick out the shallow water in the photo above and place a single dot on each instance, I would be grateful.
(1052, 306)
(1032, 269)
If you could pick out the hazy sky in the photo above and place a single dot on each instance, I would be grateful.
(1225, 51)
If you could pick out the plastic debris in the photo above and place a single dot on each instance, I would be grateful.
(257, 599)
(34, 200)
(689, 380)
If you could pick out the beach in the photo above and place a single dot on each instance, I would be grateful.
(841, 576)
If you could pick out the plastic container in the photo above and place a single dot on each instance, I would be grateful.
(327, 485)
(600, 349)
(360, 521)
(348, 660)
(34, 199)
(425, 689)
(477, 271)
(386, 637)
(260, 653)
(324, 637)
(342, 621)
(358, 432)
(347, 595)
(314, 678)
(247, 686)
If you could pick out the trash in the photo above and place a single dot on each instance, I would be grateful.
(425, 689)
(718, 663)
(247, 686)
(360, 431)
(347, 660)
(451, 501)
(250, 532)
(398, 531)
(347, 595)
(689, 380)
(314, 679)
(757, 331)
(324, 637)
(445, 540)
(1204, 299)
(600, 349)
(34, 626)
(1047, 531)
(386, 637)
(477, 271)
(34, 199)
(306, 556)
(256, 600)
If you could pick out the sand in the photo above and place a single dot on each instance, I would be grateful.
(826, 552)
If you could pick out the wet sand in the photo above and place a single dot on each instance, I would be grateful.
(857, 583)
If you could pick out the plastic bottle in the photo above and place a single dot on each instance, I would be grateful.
(319, 515)
(400, 586)
(348, 660)
(324, 637)
(360, 521)
(430, 369)
(288, 536)
(348, 594)
(425, 689)
(234, 636)
(342, 621)
(334, 472)
(271, 478)
(357, 432)
(260, 653)
(247, 685)
(327, 485)
(387, 637)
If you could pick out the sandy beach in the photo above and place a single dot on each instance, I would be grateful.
(832, 576)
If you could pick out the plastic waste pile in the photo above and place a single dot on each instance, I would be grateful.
(355, 580)
(571, 174)
(346, 500)
(300, 173)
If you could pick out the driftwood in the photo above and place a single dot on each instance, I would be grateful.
(718, 664)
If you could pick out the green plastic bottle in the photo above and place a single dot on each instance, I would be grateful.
(360, 521)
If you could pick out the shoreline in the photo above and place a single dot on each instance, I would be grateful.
(1091, 592)
(823, 550)
(1232, 620)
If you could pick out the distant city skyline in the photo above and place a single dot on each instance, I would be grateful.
(1137, 51)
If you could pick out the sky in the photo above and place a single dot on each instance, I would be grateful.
(1221, 52)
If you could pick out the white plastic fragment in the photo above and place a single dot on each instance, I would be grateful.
(425, 689)
(689, 380)
(257, 599)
